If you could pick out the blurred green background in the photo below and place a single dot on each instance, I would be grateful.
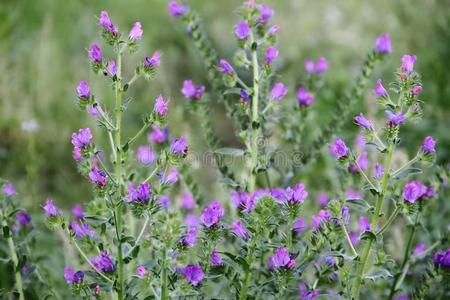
(43, 56)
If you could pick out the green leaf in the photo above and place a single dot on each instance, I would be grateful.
(230, 151)
(236, 91)
(378, 274)
(368, 235)
(408, 172)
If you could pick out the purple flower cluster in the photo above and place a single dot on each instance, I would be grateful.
(362, 122)
(225, 67)
(106, 23)
(73, 277)
(379, 89)
(318, 67)
(187, 201)
(189, 239)
(278, 91)
(158, 135)
(98, 176)
(304, 97)
(395, 119)
(95, 53)
(408, 63)
(161, 106)
(428, 145)
(239, 230)
(192, 91)
(152, 62)
(338, 149)
(299, 226)
(81, 230)
(212, 214)
(383, 43)
(82, 139)
(136, 32)
(242, 30)
(50, 209)
(141, 194)
(242, 201)
(321, 218)
(442, 259)
(179, 146)
(215, 259)
(8, 189)
(271, 55)
(103, 263)
(281, 259)
(265, 13)
(192, 273)
(78, 211)
(177, 10)
(415, 190)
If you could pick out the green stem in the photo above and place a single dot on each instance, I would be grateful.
(141, 234)
(118, 171)
(389, 221)
(247, 274)
(139, 133)
(361, 171)
(375, 218)
(404, 266)
(347, 237)
(408, 164)
(164, 275)
(255, 125)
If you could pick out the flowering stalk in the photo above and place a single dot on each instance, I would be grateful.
(347, 237)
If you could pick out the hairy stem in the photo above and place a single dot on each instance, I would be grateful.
(244, 290)
(389, 221)
(347, 237)
(164, 275)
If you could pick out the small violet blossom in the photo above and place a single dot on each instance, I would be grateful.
(190, 238)
(361, 121)
(395, 119)
(179, 146)
(338, 149)
(103, 263)
(225, 67)
(8, 189)
(281, 259)
(98, 176)
(442, 259)
(428, 145)
(299, 226)
(82, 138)
(212, 214)
(141, 272)
(192, 273)
(414, 191)
(379, 89)
(419, 248)
(95, 53)
(187, 201)
(242, 30)
(265, 14)
(383, 43)
(408, 63)
(271, 55)
(112, 67)
(83, 90)
(136, 32)
(192, 91)
(278, 91)
(77, 211)
(177, 10)
(106, 23)
(141, 194)
(158, 135)
(50, 209)
(304, 97)
(321, 65)
(239, 230)
(152, 62)
(215, 259)
(161, 106)
(73, 277)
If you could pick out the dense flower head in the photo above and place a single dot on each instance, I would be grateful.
(361, 121)
(278, 91)
(416, 90)
(106, 23)
(95, 53)
(141, 194)
(77, 211)
(141, 271)
(81, 229)
(245, 96)
(304, 97)
(239, 230)
(73, 277)
(414, 191)
(319, 219)
(428, 145)
(215, 259)
(23, 218)
(242, 30)
(98, 176)
(395, 119)
(136, 32)
(103, 263)
(309, 66)
(192, 273)
(177, 10)
(225, 67)
(192, 91)
(179, 146)
(379, 89)
(408, 63)
(338, 149)
(321, 65)
(442, 258)
(189, 239)
(8, 189)
(82, 138)
(383, 43)
(187, 201)
(212, 214)
(265, 14)
(145, 155)
(281, 259)
(83, 90)
(50, 209)
(152, 62)
(242, 201)
(161, 106)
(271, 55)
(299, 226)
(158, 135)
(296, 195)
(112, 67)
(419, 248)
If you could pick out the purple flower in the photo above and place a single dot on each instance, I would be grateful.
(225, 67)
(416, 90)
(379, 89)
(245, 97)
(345, 214)
(265, 14)
(82, 139)
(378, 171)
(83, 90)
(414, 191)
(383, 43)
(309, 66)
(318, 220)
(98, 176)
(321, 65)
(192, 273)
(428, 145)
(50, 209)
(152, 62)
(338, 149)
(191, 91)
(141, 272)
(273, 30)
(361, 121)
(215, 258)
(191, 221)
(296, 195)
(177, 10)
(95, 53)
(179, 146)
(112, 67)
(103, 263)
(306, 294)
(77, 211)
(81, 230)
(304, 97)
(351, 194)
(242, 201)
(8, 189)
(363, 162)
(171, 178)
(278, 91)
(145, 155)
(395, 119)
(271, 55)
(164, 201)
(76, 153)
(93, 111)
(141, 194)
(212, 214)
(354, 238)
(160, 106)
(420, 248)
(158, 135)
(442, 258)
(72, 277)
(408, 63)
(401, 297)
(242, 30)
(23, 218)
(299, 226)
(323, 199)
(136, 32)
(106, 23)
(187, 201)
(239, 230)
(189, 239)
(364, 224)
(281, 259)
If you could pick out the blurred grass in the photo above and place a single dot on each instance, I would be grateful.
(42, 49)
